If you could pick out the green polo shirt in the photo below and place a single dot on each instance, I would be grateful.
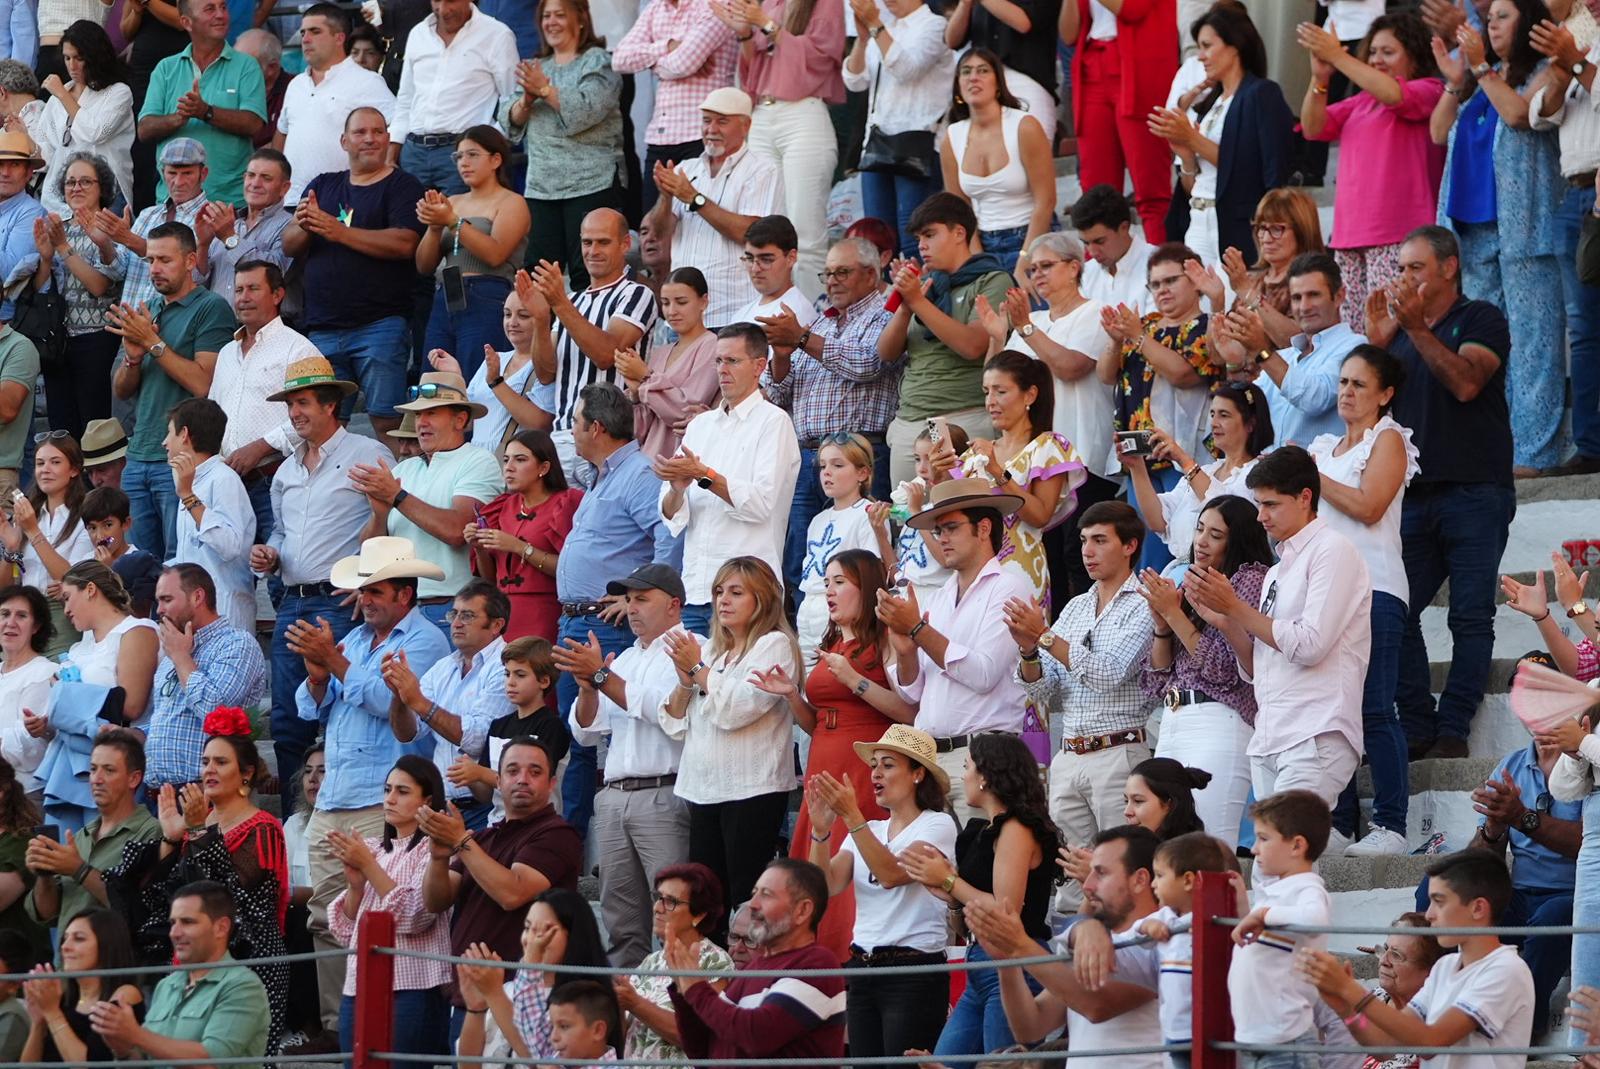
(938, 379)
(199, 322)
(19, 362)
(226, 1010)
(102, 852)
(232, 82)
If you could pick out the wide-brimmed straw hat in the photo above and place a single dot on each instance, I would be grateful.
(309, 373)
(104, 440)
(384, 557)
(438, 389)
(17, 145)
(908, 741)
(958, 494)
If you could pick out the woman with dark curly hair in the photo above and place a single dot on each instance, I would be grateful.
(91, 112)
(1011, 856)
(686, 907)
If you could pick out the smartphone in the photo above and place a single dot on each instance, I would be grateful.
(1133, 443)
(933, 431)
(455, 288)
(483, 524)
(49, 831)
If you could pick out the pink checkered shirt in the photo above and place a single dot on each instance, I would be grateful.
(1588, 661)
(703, 61)
(414, 927)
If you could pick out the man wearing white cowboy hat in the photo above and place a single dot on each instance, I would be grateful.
(956, 657)
(430, 499)
(344, 688)
(19, 259)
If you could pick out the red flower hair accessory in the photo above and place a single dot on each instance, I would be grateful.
(227, 720)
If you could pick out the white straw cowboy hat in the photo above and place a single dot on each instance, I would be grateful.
(384, 557)
(958, 494)
(907, 741)
(438, 389)
(17, 145)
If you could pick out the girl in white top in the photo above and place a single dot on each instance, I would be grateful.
(738, 762)
(1241, 430)
(116, 650)
(294, 829)
(844, 466)
(1364, 479)
(93, 112)
(513, 398)
(914, 556)
(25, 678)
(998, 158)
(892, 909)
(45, 527)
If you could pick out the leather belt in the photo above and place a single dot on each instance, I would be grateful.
(1582, 181)
(955, 742)
(581, 608)
(1201, 204)
(433, 140)
(265, 471)
(640, 783)
(894, 956)
(313, 590)
(1175, 698)
(814, 444)
(1085, 744)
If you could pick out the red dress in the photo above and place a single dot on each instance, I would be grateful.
(534, 608)
(842, 721)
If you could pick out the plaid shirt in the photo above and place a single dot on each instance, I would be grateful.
(415, 928)
(703, 61)
(848, 388)
(229, 670)
(1099, 694)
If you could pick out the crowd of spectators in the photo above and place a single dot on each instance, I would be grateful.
(414, 499)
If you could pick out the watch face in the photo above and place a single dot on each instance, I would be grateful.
(600, 677)
(1529, 820)
(1047, 640)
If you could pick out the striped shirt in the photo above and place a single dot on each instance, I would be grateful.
(746, 184)
(137, 288)
(623, 299)
(847, 388)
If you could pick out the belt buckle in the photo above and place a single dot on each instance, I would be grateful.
(1171, 699)
(1097, 743)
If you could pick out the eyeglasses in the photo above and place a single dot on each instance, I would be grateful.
(80, 183)
(1159, 284)
(471, 155)
(1039, 267)
(667, 902)
(1272, 230)
(465, 616)
(945, 530)
(837, 273)
(732, 361)
(742, 940)
(765, 259)
(1544, 803)
(50, 436)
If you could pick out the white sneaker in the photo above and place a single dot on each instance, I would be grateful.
(1378, 841)
(1338, 843)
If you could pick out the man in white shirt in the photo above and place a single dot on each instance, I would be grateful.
(216, 523)
(710, 201)
(1307, 645)
(250, 368)
(640, 825)
(729, 487)
(1118, 258)
(956, 658)
(460, 63)
(457, 698)
(770, 251)
(320, 98)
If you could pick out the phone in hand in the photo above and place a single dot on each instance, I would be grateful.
(49, 831)
(1134, 443)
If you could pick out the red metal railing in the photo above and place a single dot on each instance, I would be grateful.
(374, 1016)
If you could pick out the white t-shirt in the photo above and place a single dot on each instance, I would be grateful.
(1177, 977)
(1139, 1027)
(908, 915)
(1083, 406)
(1180, 506)
(1496, 991)
(831, 532)
(1263, 975)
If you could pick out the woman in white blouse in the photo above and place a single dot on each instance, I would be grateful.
(45, 534)
(738, 758)
(25, 678)
(905, 66)
(1364, 478)
(92, 112)
(116, 650)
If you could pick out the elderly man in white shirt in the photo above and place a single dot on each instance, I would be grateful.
(640, 824)
(320, 98)
(732, 481)
(460, 64)
(956, 657)
(216, 523)
(1307, 645)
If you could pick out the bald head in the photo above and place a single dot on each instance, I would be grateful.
(604, 238)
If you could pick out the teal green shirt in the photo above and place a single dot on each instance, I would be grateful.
(233, 82)
(19, 362)
(201, 322)
(225, 1010)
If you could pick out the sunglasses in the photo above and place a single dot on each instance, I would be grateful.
(50, 436)
(431, 390)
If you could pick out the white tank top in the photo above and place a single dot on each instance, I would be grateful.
(1001, 200)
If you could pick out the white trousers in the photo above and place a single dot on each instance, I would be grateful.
(1322, 765)
(1213, 737)
(798, 136)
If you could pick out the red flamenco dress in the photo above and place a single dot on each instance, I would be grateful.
(532, 593)
(843, 719)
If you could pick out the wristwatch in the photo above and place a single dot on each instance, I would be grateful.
(697, 202)
(598, 680)
(231, 241)
(211, 113)
(398, 498)
(862, 687)
(1578, 68)
(1529, 822)
(1263, 356)
(1579, 608)
(1047, 640)
(706, 481)
(1480, 70)
(1026, 330)
(160, 347)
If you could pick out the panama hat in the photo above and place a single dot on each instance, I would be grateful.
(407, 428)
(439, 389)
(309, 373)
(384, 557)
(908, 741)
(958, 494)
(104, 440)
(17, 145)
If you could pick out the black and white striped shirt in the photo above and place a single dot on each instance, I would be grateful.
(623, 298)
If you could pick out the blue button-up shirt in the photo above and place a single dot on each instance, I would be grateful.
(1307, 404)
(361, 748)
(616, 529)
(1536, 867)
(19, 257)
(229, 670)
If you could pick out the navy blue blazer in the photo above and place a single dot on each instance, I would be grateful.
(1254, 156)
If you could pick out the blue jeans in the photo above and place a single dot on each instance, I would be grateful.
(375, 357)
(892, 198)
(1300, 1060)
(1006, 244)
(463, 334)
(808, 503)
(435, 614)
(1586, 905)
(432, 165)
(1583, 323)
(578, 784)
(1380, 726)
(1454, 531)
(977, 1023)
(291, 736)
(153, 506)
(697, 619)
(1154, 553)
(421, 1022)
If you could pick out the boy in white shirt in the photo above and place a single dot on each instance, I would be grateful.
(1272, 1002)
(1479, 999)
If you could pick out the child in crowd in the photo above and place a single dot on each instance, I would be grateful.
(583, 1014)
(1179, 861)
(1292, 830)
(107, 518)
(844, 467)
(915, 557)
(16, 956)
(1479, 999)
(530, 681)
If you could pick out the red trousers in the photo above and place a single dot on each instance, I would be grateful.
(1108, 142)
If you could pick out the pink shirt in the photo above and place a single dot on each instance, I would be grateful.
(702, 61)
(798, 67)
(1389, 168)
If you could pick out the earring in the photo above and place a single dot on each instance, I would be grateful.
(983, 785)
(959, 100)
(244, 792)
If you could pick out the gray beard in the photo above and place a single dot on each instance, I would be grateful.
(765, 932)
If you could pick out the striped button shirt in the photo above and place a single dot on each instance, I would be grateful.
(848, 388)
(746, 184)
(623, 299)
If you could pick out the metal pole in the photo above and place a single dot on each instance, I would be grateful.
(374, 1010)
(1213, 951)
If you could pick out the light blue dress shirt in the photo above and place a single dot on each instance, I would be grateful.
(221, 542)
(19, 257)
(617, 528)
(1307, 404)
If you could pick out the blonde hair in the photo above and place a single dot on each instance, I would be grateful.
(857, 452)
(758, 578)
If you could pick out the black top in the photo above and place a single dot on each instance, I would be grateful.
(1459, 442)
(545, 725)
(139, 571)
(1033, 53)
(346, 289)
(95, 1049)
(975, 864)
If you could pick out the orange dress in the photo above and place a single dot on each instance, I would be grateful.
(842, 721)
